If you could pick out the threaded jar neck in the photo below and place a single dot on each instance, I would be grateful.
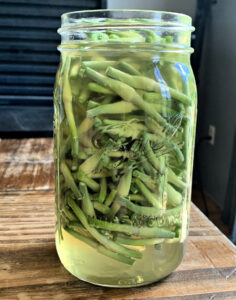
(127, 27)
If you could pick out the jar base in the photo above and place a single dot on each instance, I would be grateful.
(88, 265)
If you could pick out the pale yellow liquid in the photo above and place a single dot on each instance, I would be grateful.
(87, 264)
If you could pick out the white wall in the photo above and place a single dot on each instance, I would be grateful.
(182, 6)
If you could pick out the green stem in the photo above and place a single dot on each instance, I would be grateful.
(120, 107)
(151, 198)
(101, 207)
(136, 197)
(138, 242)
(111, 197)
(148, 167)
(109, 244)
(148, 84)
(85, 92)
(122, 190)
(94, 87)
(133, 230)
(101, 249)
(87, 205)
(175, 180)
(90, 164)
(103, 190)
(92, 184)
(69, 214)
(128, 94)
(124, 66)
(149, 182)
(67, 101)
(174, 197)
(168, 144)
(70, 180)
(98, 65)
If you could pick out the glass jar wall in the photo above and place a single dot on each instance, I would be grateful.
(124, 127)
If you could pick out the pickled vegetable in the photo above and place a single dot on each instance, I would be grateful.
(124, 169)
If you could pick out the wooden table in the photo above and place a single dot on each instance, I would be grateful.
(30, 268)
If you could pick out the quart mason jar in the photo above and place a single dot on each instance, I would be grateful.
(124, 129)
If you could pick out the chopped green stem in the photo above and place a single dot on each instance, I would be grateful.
(149, 152)
(113, 108)
(101, 249)
(155, 127)
(124, 66)
(136, 197)
(148, 84)
(84, 127)
(87, 205)
(92, 184)
(103, 190)
(175, 180)
(70, 180)
(107, 99)
(122, 190)
(174, 197)
(85, 93)
(171, 146)
(138, 242)
(140, 210)
(111, 197)
(70, 216)
(101, 207)
(92, 104)
(151, 198)
(94, 87)
(99, 65)
(67, 101)
(90, 164)
(101, 174)
(148, 211)
(149, 182)
(129, 229)
(125, 154)
(76, 226)
(101, 238)
(128, 94)
(149, 169)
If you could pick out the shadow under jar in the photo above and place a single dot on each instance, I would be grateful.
(124, 129)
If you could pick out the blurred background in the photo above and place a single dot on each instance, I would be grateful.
(29, 59)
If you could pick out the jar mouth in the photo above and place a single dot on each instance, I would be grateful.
(122, 18)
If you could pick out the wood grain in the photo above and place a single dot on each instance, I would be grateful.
(30, 268)
(26, 164)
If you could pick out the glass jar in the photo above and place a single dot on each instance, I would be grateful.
(124, 129)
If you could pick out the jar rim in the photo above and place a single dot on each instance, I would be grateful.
(91, 19)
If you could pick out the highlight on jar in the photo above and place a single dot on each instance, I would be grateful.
(124, 130)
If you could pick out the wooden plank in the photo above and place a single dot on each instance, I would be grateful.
(29, 261)
(26, 165)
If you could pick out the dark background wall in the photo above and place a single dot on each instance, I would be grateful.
(28, 62)
(217, 93)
